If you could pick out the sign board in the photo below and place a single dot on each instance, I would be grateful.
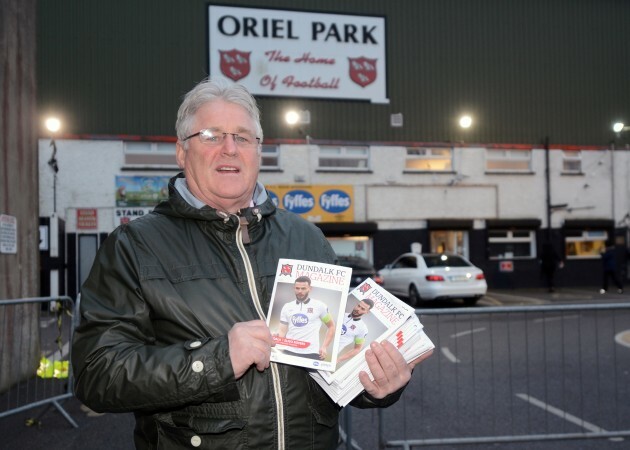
(318, 203)
(43, 238)
(126, 215)
(506, 266)
(87, 219)
(290, 53)
(8, 234)
(141, 191)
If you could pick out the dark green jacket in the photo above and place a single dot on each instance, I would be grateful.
(163, 293)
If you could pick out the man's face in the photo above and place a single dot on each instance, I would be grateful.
(224, 176)
(360, 309)
(302, 289)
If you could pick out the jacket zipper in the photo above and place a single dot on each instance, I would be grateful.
(243, 235)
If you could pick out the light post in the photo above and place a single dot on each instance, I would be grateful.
(53, 125)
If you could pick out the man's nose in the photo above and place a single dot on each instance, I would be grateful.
(229, 145)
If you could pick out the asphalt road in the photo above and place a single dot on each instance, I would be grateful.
(469, 397)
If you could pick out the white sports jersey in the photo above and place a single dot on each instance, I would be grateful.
(351, 330)
(305, 321)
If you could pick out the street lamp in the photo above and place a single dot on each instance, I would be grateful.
(53, 125)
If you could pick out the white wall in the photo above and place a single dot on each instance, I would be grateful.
(87, 171)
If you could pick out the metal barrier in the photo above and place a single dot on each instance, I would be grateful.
(51, 382)
(514, 374)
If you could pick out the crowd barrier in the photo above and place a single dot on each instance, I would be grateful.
(49, 383)
(514, 374)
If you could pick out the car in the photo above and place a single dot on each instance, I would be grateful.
(434, 276)
(361, 269)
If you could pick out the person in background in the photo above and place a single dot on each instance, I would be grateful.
(609, 270)
(550, 261)
(173, 311)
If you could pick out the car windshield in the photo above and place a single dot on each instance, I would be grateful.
(445, 261)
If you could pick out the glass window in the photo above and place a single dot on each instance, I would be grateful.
(144, 154)
(508, 160)
(270, 157)
(445, 241)
(571, 161)
(445, 261)
(429, 159)
(511, 244)
(406, 262)
(343, 158)
(585, 244)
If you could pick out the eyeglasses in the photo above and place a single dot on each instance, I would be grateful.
(216, 138)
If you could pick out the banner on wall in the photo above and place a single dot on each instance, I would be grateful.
(299, 54)
(318, 203)
(141, 191)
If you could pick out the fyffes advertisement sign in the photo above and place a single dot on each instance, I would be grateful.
(322, 203)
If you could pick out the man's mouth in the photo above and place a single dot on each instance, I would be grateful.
(228, 169)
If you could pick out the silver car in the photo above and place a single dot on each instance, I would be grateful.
(434, 276)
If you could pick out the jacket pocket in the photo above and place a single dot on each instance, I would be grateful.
(325, 411)
(204, 434)
(205, 426)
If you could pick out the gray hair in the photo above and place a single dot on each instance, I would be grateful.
(207, 91)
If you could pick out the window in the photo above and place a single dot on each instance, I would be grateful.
(511, 244)
(571, 162)
(508, 160)
(585, 244)
(429, 159)
(454, 241)
(343, 158)
(270, 157)
(406, 262)
(150, 154)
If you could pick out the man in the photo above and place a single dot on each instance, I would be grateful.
(354, 330)
(609, 270)
(301, 320)
(172, 312)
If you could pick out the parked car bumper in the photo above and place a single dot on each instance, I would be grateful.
(438, 290)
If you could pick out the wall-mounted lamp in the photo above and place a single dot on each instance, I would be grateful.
(298, 117)
(618, 127)
(465, 121)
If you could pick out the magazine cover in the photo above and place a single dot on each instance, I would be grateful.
(306, 309)
(410, 340)
(372, 313)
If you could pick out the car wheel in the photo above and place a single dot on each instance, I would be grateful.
(471, 301)
(414, 297)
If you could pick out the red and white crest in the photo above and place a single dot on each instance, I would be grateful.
(235, 64)
(365, 287)
(286, 269)
(362, 70)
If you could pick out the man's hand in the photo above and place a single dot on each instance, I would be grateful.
(323, 353)
(250, 344)
(389, 369)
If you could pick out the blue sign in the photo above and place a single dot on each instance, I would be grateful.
(298, 201)
(334, 201)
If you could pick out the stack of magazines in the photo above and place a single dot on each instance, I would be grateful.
(318, 325)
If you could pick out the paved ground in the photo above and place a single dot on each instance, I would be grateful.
(114, 431)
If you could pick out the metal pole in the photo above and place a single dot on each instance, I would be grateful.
(548, 189)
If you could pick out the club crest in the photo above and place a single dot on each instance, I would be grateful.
(362, 70)
(235, 64)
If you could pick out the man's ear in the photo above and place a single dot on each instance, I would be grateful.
(180, 155)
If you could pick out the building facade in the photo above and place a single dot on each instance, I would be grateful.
(377, 153)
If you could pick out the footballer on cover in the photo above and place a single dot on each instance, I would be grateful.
(372, 314)
(307, 307)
